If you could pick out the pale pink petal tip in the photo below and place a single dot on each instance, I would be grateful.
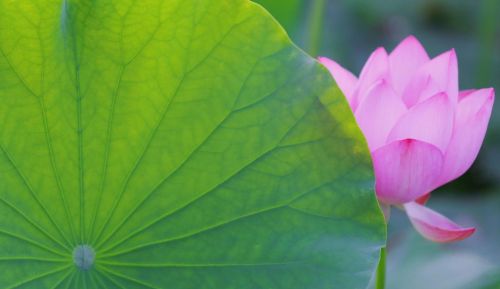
(376, 68)
(434, 226)
(405, 60)
(471, 122)
(344, 79)
(430, 121)
(378, 113)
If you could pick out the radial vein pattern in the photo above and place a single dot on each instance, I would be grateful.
(175, 144)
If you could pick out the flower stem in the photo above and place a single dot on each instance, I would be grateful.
(488, 28)
(380, 281)
(316, 26)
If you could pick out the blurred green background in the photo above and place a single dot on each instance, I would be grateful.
(348, 31)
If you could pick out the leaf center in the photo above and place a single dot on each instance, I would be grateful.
(83, 257)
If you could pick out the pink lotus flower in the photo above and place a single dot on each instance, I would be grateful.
(422, 132)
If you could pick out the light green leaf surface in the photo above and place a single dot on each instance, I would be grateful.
(186, 142)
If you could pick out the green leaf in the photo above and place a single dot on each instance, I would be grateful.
(175, 144)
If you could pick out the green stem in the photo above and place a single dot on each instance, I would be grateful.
(487, 31)
(316, 18)
(380, 281)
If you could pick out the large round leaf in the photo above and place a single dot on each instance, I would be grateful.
(175, 144)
